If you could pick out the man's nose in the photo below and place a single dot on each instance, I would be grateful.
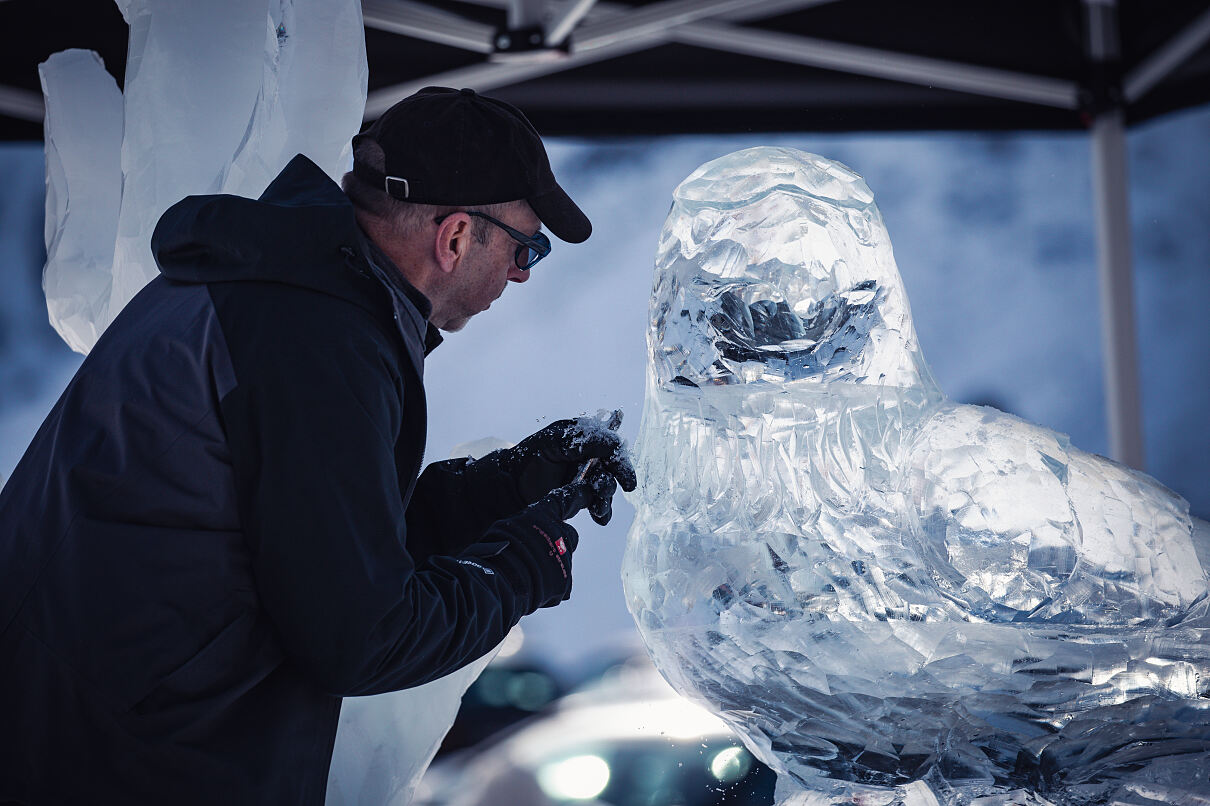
(518, 275)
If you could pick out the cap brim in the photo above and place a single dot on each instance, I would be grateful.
(565, 220)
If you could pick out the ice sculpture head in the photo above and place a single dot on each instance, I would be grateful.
(774, 265)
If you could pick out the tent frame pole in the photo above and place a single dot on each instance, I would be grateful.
(22, 104)
(1111, 192)
(1116, 276)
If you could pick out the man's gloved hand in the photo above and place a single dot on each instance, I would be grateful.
(538, 543)
(552, 458)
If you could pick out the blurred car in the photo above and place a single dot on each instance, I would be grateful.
(625, 740)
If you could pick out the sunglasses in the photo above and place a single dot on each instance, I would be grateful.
(530, 248)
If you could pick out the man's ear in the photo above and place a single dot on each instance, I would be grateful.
(453, 241)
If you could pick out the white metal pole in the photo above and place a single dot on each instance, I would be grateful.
(1112, 193)
(524, 14)
(572, 12)
(1111, 189)
(22, 104)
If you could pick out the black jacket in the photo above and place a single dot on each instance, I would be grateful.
(218, 532)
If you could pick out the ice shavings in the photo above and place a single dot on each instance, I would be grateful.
(893, 598)
(593, 428)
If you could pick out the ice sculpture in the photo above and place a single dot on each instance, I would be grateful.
(83, 127)
(893, 598)
(218, 97)
(385, 742)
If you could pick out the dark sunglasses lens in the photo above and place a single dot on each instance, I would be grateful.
(528, 255)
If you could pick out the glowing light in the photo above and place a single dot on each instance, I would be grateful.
(575, 778)
(529, 691)
(730, 765)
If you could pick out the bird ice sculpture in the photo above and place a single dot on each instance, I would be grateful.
(892, 597)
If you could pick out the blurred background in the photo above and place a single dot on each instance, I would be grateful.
(994, 234)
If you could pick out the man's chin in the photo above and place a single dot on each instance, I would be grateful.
(454, 325)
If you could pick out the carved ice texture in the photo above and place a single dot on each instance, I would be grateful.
(218, 97)
(893, 598)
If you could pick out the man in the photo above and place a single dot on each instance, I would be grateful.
(222, 528)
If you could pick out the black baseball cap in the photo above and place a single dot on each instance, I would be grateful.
(457, 147)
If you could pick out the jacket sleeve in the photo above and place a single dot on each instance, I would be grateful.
(312, 425)
(454, 504)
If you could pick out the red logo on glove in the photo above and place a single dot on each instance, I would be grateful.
(557, 549)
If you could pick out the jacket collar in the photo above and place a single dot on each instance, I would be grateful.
(412, 307)
(292, 234)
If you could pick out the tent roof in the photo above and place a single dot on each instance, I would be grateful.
(665, 66)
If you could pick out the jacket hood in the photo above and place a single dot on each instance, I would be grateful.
(291, 234)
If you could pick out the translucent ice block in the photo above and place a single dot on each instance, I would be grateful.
(218, 97)
(83, 192)
(891, 597)
(385, 742)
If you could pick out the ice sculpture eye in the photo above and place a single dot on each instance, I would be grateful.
(893, 598)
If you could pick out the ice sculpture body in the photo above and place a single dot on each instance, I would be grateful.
(218, 97)
(892, 597)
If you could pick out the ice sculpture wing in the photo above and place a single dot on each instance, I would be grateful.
(1022, 525)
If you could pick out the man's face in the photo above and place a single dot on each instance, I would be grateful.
(487, 269)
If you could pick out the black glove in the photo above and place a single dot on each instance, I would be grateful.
(552, 458)
(538, 544)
